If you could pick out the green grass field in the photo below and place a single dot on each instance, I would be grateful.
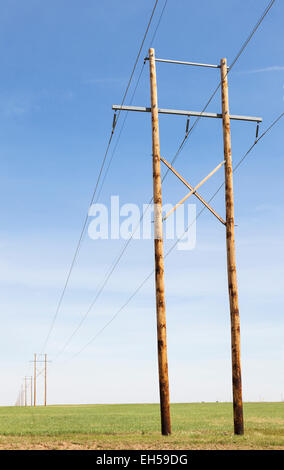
(194, 426)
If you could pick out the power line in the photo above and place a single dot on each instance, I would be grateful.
(119, 135)
(269, 6)
(175, 244)
(234, 170)
(131, 100)
(116, 262)
(243, 47)
(97, 183)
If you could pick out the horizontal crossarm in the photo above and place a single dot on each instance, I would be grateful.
(182, 62)
(186, 113)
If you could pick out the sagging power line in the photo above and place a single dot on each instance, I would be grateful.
(230, 243)
(141, 285)
(201, 115)
(77, 249)
(116, 261)
(181, 146)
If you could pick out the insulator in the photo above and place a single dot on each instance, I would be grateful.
(257, 131)
(187, 125)
(114, 121)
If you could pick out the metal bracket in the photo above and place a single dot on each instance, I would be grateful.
(181, 62)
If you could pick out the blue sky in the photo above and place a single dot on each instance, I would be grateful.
(63, 65)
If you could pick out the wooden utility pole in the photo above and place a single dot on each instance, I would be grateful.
(159, 263)
(45, 378)
(31, 391)
(159, 257)
(231, 260)
(37, 360)
(34, 379)
(25, 391)
(22, 395)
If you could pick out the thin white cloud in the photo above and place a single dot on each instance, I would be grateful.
(273, 68)
(102, 81)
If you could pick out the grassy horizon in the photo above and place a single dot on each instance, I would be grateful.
(137, 426)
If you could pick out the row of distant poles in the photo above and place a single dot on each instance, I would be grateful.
(28, 393)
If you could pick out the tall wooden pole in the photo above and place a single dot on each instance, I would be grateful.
(25, 391)
(31, 391)
(159, 257)
(35, 380)
(45, 378)
(231, 260)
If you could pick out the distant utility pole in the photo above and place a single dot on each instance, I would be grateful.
(45, 378)
(229, 223)
(36, 361)
(35, 379)
(22, 395)
(18, 401)
(31, 390)
(25, 391)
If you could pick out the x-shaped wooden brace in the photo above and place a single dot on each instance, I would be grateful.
(193, 190)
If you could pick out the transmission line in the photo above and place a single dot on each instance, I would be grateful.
(116, 262)
(243, 47)
(178, 240)
(97, 183)
(131, 100)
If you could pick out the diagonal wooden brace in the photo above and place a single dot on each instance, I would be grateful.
(195, 193)
(194, 189)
